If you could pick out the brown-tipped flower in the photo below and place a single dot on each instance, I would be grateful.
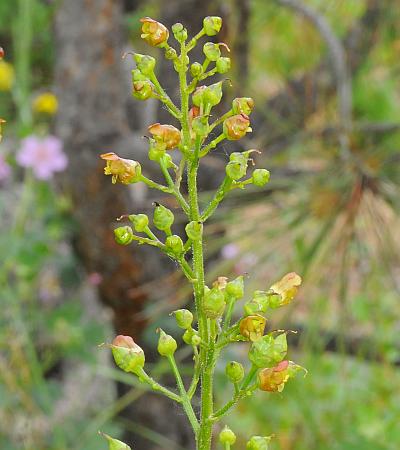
(153, 32)
(126, 171)
(194, 112)
(286, 288)
(236, 127)
(242, 105)
(142, 90)
(275, 378)
(166, 135)
(220, 283)
(252, 327)
(127, 354)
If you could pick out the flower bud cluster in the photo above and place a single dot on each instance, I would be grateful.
(222, 291)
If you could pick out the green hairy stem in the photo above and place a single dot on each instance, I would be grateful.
(208, 329)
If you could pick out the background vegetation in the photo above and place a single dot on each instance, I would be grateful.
(325, 77)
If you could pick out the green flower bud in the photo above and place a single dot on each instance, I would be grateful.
(236, 170)
(178, 63)
(169, 163)
(123, 235)
(138, 76)
(211, 51)
(213, 94)
(198, 96)
(184, 318)
(236, 127)
(258, 443)
(212, 25)
(191, 337)
(153, 32)
(163, 218)
(170, 53)
(252, 327)
(140, 222)
(234, 371)
(196, 340)
(174, 244)
(145, 63)
(194, 230)
(235, 288)
(223, 65)
(214, 303)
(142, 90)
(252, 308)
(115, 444)
(180, 32)
(166, 344)
(268, 351)
(208, 95)
(200, 126)
(156, 150)
(242, 105)
(260, 177)
(196, 69)
(227, 436)
(127, 354)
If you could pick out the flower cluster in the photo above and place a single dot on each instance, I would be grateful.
(211, 326)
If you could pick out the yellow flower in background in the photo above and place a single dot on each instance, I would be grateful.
(7, 76)
(46, 103)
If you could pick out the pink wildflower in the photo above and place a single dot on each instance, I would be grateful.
(43, 155)
(5, 169)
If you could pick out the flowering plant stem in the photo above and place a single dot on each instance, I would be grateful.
(214, 307)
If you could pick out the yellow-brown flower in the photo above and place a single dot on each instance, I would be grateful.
(237, 126)
(153, 32)
(252, 327)
(274, 379)
(166, 135)
(126, 171)
(287, 288)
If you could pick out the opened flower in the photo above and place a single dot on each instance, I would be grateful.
(43, 155)
(252, 327)
(275, 378)
(153, 32)
(286, 289)
(126, 171)
(236, 127)
(166, 135)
